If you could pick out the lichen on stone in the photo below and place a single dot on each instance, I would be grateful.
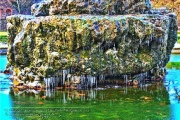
(87, 44)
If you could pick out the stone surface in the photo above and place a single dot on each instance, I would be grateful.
(88, 45)
(96, 7)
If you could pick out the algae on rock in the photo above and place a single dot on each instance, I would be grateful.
(86, 44)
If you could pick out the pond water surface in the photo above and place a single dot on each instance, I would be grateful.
(174, 58)
(151, 101)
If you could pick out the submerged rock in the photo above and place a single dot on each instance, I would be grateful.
(88, 45)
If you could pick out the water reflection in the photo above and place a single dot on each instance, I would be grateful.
(127, 99)
(5, 98)
(172, 84)
(64, 95)
(89, 94)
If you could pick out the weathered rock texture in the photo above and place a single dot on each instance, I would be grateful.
(98, 7)
(88, 44)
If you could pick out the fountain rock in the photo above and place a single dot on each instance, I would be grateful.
(59, 37)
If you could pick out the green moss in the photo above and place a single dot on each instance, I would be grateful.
(173, 65)
(84, 54)
(144, 55)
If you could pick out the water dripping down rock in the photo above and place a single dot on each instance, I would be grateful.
(71, 43)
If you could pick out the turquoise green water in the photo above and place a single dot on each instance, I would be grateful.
(146, 102)
(153, 101)
(3, 61)
(174, 58)
(5, 98)
(172, 84)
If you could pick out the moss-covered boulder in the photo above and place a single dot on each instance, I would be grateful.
(89, 44)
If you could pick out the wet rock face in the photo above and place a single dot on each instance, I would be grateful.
(88, 44)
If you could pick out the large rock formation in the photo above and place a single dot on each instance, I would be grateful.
(67, 42)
